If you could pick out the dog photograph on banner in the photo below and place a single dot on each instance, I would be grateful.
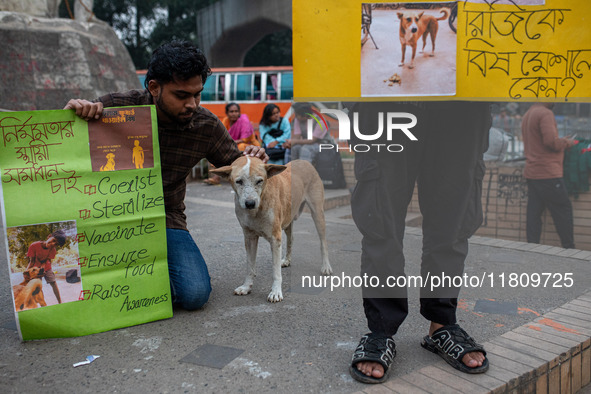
(44, 264)
(408, 49)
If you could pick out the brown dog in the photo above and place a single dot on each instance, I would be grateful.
(414, 25)
(29, 293)
(269, 197)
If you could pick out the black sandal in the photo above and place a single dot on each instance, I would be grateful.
(374, 348)
(452, 343)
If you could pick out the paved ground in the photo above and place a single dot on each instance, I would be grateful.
(304, 343)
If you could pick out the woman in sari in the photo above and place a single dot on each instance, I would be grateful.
(240, 130)
(239, 127)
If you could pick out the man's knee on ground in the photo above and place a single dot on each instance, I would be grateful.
(194, 298)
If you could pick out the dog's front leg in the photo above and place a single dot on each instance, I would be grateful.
(412, 59)
(286, 262)
(276, 294)
(403, 55)
(251, 242)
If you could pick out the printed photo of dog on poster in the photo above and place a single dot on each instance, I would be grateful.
(408, 49)
(43, 260)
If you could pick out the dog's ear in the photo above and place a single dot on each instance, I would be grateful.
(420, 14)
(224, 171)
(400, 15)
(274, 169)
(27, 275)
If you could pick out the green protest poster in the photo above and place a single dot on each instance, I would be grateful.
(84, 221)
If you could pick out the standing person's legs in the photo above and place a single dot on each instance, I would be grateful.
(189, 278)
(561, 210)
(385, 183)
(450, 189)
(535, 208)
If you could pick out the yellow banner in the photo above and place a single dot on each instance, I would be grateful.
(346, 50)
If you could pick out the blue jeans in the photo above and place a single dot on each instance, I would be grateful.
(189, 279)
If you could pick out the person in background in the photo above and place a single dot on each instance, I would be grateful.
(299, 146)
(544, 155)
(275, 131)
(241, 131)
(239, 127)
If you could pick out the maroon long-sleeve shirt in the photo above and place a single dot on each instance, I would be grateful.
(544, 150)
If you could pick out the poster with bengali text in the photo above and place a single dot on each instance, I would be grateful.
(84, 222)
(513, 50)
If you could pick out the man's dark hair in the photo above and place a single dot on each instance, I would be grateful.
(60, 237)
(267, 112)
(177, 59)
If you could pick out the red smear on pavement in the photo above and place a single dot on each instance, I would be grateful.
(557, 326)
(522, 310)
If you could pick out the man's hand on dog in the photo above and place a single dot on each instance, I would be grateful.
(256, 151)
(85, 109)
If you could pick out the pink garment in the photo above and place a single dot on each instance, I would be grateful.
(317, 132)
(241, 128)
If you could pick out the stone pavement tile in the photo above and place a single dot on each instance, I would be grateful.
(581, 314)
(377, 389)
(403, 387)
(451, 380)
(550, 324)
(571, 306)
(568, 252)
(504, 244)
(542, 384)
(553, 250)
(582, 255)
(501, 361)
(580, 302)
(526, 387)
(549, 334)
(495, 242)
(586, 367)
(547, 357)
(526, 246)
(510, 378)
(541, 248)
(534, 343)
(512, 244)
(427, 383)
(554, 380)
(532, 362)
(572, 323)
(576, 372)
(486, 380)
(565, 382)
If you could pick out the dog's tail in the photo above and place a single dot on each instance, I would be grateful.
(445, 13)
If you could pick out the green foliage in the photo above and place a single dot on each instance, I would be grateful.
(144, 25)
